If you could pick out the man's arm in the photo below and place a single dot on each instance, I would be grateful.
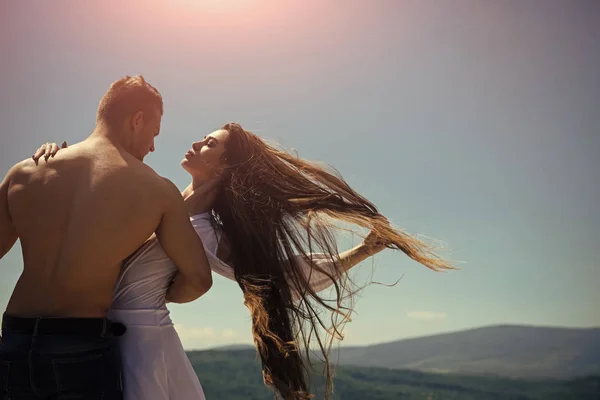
(8, 233)
(183, 246)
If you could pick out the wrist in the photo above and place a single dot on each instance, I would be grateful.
(371, 249)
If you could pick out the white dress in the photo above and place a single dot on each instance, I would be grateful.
(155, 366)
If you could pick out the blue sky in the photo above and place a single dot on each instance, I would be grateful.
(468, 121)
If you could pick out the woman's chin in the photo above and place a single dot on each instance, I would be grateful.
(185, 164)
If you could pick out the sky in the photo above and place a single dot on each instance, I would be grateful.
(472, 122)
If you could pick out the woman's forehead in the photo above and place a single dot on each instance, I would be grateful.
(219, 135)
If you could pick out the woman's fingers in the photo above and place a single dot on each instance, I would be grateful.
(40, 152)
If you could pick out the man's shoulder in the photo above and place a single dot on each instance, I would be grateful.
(170, 190)
(21, 168)
(168, 184)
(19, 173)
(143, 173)
(138, 170)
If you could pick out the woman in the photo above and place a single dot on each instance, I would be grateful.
(266, 220)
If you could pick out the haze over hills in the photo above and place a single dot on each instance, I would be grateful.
(510, 351)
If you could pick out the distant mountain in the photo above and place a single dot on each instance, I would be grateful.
(236, 375)
(508, 351)
(511, 351)
(228, 347)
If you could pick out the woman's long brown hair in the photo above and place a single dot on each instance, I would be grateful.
(274, 206)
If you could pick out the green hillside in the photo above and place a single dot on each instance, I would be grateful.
(235, 374)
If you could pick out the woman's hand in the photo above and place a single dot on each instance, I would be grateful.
(373, 243)
(47, 150)
(201, 199)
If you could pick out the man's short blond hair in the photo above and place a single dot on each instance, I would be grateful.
(127, 96)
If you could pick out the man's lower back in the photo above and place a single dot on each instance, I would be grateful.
(50, 358)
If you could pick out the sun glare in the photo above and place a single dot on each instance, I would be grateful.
(215, 5)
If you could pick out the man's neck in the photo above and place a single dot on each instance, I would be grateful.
(104, 132)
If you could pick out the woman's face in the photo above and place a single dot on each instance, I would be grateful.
(205, 158)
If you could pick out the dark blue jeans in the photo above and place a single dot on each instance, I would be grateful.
(59, 367)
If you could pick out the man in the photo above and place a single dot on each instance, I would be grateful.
(77, 217)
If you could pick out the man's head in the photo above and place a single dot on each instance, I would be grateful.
(132, 108)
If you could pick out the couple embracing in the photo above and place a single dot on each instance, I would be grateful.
(107, 243)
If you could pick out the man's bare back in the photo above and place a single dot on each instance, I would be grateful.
(78, 217)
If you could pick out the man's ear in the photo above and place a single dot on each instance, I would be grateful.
(137, 121)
